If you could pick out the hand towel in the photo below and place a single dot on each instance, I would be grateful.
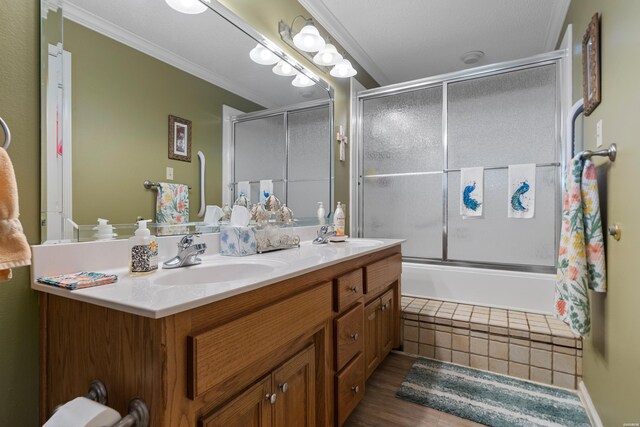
(244, 187)
(581, 259)
(522, 191)
(172, 207)
(471, 192)
(266, 189)
(14, 249)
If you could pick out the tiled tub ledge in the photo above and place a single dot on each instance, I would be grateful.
(524, 345)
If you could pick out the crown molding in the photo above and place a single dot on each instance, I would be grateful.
(558, 15)
(126, 37)
(323, 15)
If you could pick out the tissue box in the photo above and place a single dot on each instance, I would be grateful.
(237, 241)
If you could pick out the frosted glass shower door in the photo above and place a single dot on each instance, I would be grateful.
(259, 153)
(309, 161)
(402, 170)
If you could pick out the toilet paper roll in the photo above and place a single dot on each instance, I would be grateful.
(83, 412)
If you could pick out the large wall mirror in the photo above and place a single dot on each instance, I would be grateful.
(112, 74)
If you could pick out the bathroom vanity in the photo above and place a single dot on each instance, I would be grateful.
(288, 346)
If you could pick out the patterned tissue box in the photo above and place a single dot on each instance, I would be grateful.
(237, 241)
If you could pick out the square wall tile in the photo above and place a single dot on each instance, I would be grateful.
(498, 350)
(459, 357)
(443, 354)
(410, 347)
(460, 343)
(561, 379)
(427, 336)
(499, 366)
(411, 333)
(479, 346)
(519, 370)
(540, 375)
(443, 339)
(479, 362)
(564, 363)
(519, 354)
(426, 350)
(540, 358)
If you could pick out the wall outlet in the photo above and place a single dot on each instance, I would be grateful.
(599, 133)
(169, 173)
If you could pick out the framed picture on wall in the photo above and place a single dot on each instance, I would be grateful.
(179, 139)
(591, 65)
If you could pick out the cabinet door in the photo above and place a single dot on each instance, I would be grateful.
(294, 383)
(250, 409)
(386, 323)
(372, 340)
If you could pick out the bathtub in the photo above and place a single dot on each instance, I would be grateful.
(532, 292)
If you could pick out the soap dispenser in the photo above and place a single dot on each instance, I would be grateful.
(339, 219)
(144, 251)
(321, 214)
(104, 230)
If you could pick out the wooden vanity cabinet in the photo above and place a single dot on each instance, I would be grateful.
(294, 353)
(284, 398)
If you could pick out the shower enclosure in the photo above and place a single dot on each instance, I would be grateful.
(291, 147)
(413, 138)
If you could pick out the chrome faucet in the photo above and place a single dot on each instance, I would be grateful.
(324, 234)
(188, 253)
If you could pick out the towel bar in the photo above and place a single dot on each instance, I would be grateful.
(7, 134)
(150, 184)
(610, 152)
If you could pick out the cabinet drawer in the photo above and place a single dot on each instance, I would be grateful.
(347, 289)
(349, 335)
(349, 388)
(382, 273)
(220, 353)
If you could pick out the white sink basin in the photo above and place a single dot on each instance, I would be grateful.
(361, 243)
(219, 272)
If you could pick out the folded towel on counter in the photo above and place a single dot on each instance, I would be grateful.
(14, 249)
(471, 192)
(81, 280)
(581, 260)
(172, 207)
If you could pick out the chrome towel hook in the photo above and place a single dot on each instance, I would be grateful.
(7, 134)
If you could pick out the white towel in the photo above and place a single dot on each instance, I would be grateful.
(244, 188)
(266, 189)
(471, 192)
(521, 189)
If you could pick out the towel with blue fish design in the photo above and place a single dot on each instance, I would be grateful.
(522, 191)
(471, 192)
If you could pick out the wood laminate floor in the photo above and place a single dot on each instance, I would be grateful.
(381, 407)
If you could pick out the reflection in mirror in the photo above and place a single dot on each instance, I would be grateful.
(109, 87)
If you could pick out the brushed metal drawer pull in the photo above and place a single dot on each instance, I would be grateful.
(355, 336)
(355, 389)
(284, 387)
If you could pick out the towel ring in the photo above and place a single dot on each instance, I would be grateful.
(7, 134)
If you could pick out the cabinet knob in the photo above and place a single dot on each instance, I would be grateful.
(355, 336)
(284, 387)
(271, 398)
(383, 307)
(354, 290)
(355, 389)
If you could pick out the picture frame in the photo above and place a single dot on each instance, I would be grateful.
(179, 138)
(591, 66)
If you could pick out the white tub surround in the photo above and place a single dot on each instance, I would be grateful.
(168, 292)
(514, 290)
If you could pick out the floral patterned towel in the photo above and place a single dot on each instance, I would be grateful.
(581, 262)
(172, 207)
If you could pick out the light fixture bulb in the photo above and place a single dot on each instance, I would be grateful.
(190, 7)
(328, 55)
(263, 56)
(343, 69)
(302, 81)
(283, 68)
(309, 39)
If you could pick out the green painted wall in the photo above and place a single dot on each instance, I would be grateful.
(121, 99)
(611, 361)
(19, 106)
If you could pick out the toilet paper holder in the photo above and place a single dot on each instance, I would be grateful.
(138, 415)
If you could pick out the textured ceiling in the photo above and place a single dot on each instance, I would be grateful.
(401, 40)
(205, 45)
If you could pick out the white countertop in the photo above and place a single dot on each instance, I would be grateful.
(168, 292)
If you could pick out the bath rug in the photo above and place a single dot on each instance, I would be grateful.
(522, 191)
(490, 399)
